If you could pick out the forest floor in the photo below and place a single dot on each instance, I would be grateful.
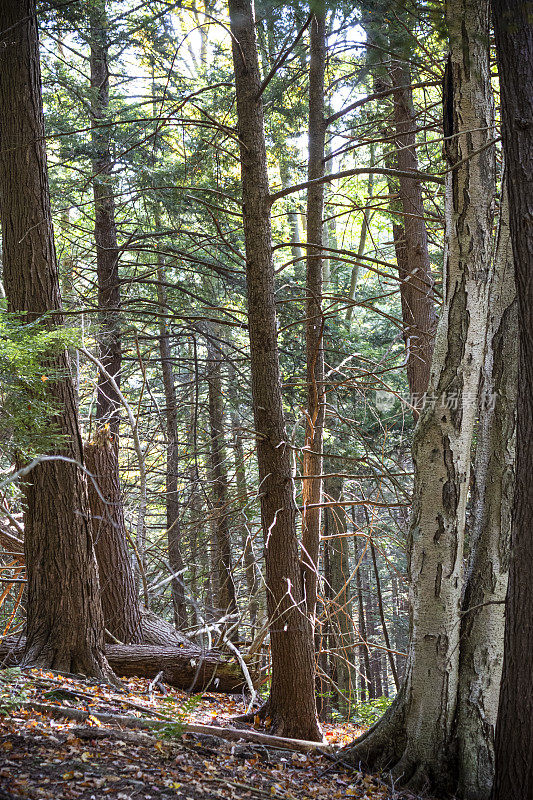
(45, 756)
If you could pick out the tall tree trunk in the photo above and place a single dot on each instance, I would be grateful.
(105, 233)
(225, 598)
(482, 626)
(416, 288)
(172, 502)
(312, 452)
(291, 636)
(414, 736)
(117, 581)
(64, 627)
(514, 731)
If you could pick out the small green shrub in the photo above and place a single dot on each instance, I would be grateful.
(366, 714)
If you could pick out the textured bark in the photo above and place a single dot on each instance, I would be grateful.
(291, 636)
(482, 626)
(118, 592)
(225, 588)
(514, 731)
(416, 288)
(117, 580)
(414, 736)
(172, 466)
(105, 233)
(312, 452)
(64, 615)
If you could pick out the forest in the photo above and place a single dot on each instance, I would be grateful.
(266, 399)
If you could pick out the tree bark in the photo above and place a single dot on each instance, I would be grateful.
(225, 598)
(482, 626)
(514, 730)
(312, 452)
(64, 614)
(117, 582)
(414, 736)
(291, 634)
(172, 503)
(118, 592)
(340, 601)
(185, 667)
(105, 233)
(248, 556)
(416, 288)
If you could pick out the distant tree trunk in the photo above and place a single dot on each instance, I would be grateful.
(482, 626)
(414, 737)
(340, 602)
(172, 502)
(225, 598)
(384, 627)
(117, 581)
(291, 705)
(514, 731)
(64, 626)
(364, 655)
(250, 569)
(312, 452)
(416, 288)
(294, 217)
(375, 688)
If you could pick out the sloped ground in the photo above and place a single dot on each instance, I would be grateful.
(45, 756)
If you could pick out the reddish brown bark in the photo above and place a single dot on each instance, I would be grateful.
(416, 288)
(117, 584)
(291, 705)
(514, 730)
(64, 615)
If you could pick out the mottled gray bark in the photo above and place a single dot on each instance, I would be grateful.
(482, 625)
(414, 736)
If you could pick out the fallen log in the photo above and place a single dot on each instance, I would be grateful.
(145, 723)
(182, 667)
